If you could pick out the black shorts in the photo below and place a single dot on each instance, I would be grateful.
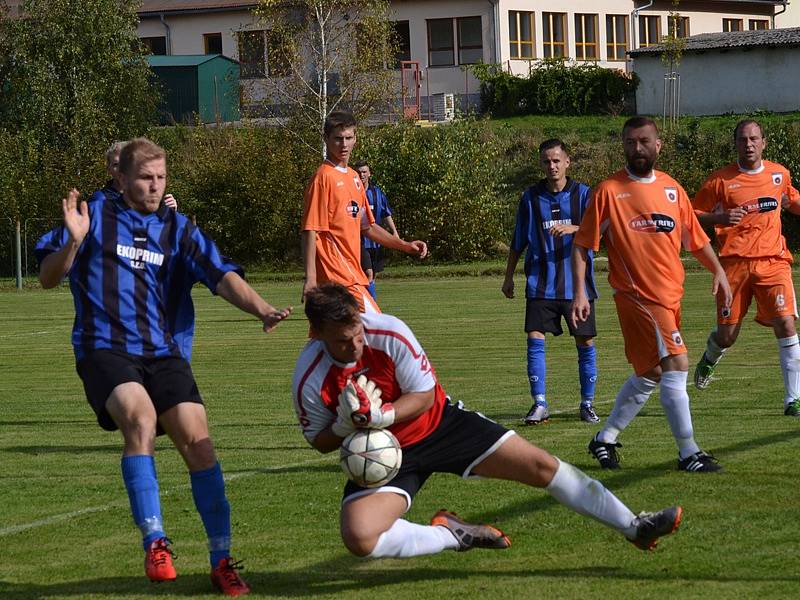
(168, 380)
(376, 258)
(366, 259)
(545, 316)
(462, 440)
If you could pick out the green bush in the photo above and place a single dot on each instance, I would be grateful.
(555, 87)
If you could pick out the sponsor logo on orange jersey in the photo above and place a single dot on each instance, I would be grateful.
(352, 209)
(761, 205)
(652, 223)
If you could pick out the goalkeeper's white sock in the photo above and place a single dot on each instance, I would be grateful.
(631, 398)
(675, 401)
(789, 352)
(405, 539)
(576, 490)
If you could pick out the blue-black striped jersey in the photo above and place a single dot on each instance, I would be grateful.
(548, 270)
(132, 278)
(379, 205)
(107, 191)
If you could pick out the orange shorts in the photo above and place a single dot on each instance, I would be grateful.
(366, 303)
(769, 280)
(651, 332)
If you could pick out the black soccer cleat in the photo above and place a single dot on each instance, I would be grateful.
(652, 526)
(605, 453)
(700, 462)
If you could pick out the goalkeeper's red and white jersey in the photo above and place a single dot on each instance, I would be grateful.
(392, 358)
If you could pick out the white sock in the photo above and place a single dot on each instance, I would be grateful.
(405, 539)
(675, 401)
(586, 496)
(789, 352)
(713, 351)
(631, 398)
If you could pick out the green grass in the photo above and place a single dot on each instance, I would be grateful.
(66, 531)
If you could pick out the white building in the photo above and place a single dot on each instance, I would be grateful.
(444, 35)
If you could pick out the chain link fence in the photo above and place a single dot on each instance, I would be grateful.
(30, 231)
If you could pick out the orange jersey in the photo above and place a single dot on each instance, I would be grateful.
(761, 192)
(644, 222)
(336, 209)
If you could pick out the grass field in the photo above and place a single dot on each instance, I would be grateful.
(66, 530)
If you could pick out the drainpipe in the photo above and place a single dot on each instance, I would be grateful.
(779, 13)
(635, 27)
(496, 22)
(169, 33)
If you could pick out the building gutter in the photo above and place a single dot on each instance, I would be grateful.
(634, 28)
(779, 13)
(169, 33)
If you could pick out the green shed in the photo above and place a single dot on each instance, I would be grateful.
(206, 85)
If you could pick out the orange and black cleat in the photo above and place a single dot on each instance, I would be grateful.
(471, 536)
(227, 580)
(158, 561)
(651, 526)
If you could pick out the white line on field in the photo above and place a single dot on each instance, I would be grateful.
(5, 531)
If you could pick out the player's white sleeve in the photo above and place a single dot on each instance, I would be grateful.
(312, 414)
(413, 370)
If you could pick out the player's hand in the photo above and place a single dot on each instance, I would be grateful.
(371, 411)
(508, 288)
(274, 317)
(734, 216)
(76, 217)
(344, 426)
(170, 201)
(420, 249)
(579, 311)
(720, 285)
(308, 284)
(562, 230)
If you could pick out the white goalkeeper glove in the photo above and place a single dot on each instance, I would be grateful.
(369, 410)
(348, 404)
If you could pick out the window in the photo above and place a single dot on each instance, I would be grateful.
(586, 45)
(470, 40)
(649, 30)
(252, 54)
(758, 24)
(212, 43)
(520, 34)
(155, 45)
(682, 24)
(403, 34)
(616, 36)
(554, 32)
(732, 25)
(441, 51)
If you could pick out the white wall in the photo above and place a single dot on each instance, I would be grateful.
(187, 30)
(713, 83)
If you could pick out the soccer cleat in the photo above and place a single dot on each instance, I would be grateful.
(702, 373)
(158, 561)
(651, 526)
(588, 415)
(227, 580)
(792, 409)
(605, 453)
(538, 415)
(699, 462)
(471, 536)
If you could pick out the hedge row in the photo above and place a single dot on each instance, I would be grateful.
(455, 186)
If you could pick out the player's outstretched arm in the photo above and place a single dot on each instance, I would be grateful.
(719, 284)
(239, 293)
(378, 234)
(76, 221)
(580, 309)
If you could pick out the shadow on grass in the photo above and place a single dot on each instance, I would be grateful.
(340, 575)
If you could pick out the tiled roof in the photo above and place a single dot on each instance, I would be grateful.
(764, 38)
(185, 6)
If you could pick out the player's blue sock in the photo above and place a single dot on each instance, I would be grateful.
(587, 372)
(537, 369)
(208, 491)
(139, 475)
(371, 288)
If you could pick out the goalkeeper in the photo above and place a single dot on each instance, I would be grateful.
(368, 370)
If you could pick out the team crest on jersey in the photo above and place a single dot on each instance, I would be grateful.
(652, 223)
(671, 193)
(777, 178)
(676, 337)
(357, 181)
(352, 209)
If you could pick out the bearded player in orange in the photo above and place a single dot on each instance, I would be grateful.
(645, 216)
(743, 202)
(336, 214)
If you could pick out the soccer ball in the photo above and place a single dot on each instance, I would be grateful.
(370, 457)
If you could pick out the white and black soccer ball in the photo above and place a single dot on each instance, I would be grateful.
(370, 457)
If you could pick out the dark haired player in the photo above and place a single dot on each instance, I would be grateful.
(547, 218)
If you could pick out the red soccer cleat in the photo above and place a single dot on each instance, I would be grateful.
(158, 561)
(227, 580)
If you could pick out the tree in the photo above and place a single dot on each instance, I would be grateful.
(73, 77)
(322, 55)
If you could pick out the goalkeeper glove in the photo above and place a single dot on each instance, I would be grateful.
(371, 411)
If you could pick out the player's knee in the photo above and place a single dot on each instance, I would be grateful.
(199, 454)
(359, 544)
